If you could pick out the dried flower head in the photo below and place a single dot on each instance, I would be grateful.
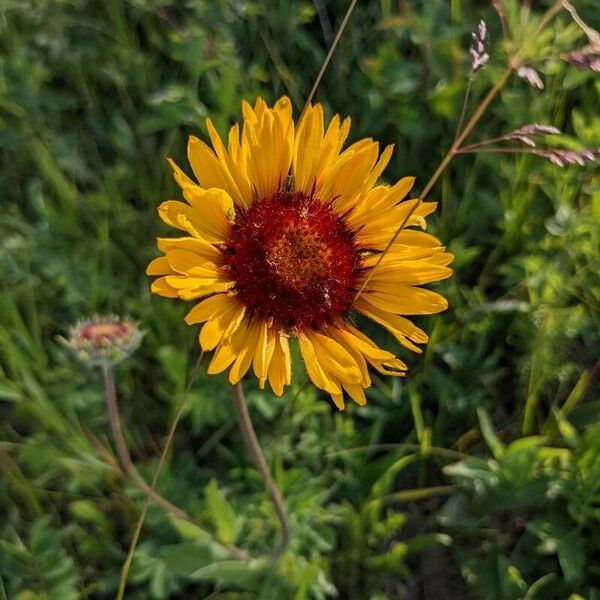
(561, 157)
(103, 339)
(587, 59)
(537, 129)
(531, 76)
(479, 55)
(523, 134)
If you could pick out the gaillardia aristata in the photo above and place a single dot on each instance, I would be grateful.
(282, 229)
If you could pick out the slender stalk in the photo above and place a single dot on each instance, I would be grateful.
(476, 149)
(121, 446)
(465, 105)
(234, 551)
(245, 423)
(332, 48)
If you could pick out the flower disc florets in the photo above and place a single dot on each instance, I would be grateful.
(103, 339)
(293, 259)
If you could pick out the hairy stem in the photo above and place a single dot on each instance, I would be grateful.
(233, 550)
(245, 423)
(122, 450)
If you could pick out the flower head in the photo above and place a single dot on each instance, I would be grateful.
(103, 339)
(281, 231)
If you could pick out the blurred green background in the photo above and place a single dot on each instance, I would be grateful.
(444, 485)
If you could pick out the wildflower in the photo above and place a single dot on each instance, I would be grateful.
(281, 233)
(103, 339)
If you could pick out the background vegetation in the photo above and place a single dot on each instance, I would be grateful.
(444, 485)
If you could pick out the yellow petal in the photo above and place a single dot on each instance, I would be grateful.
(200, 247)
(338, 400)
(159, 266)
(308, 150)
(280, 368)
(264, 351)
(189, 263)
(416, 272)
(246, 344)
(214, 209)
(402, 329)
(334, 358)
(184, 217)
(224, 355)
(404, 299)
(232, 161)
(162, 288)
(356, 392)
(314, 369)
(222, 317)
(180, 177)
(208, 308)
(338, 334)
(208, 169)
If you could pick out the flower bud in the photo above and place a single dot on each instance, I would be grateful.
(103, 339)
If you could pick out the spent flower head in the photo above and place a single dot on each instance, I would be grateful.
(103, 339)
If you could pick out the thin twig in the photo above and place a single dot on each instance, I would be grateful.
(477, 148)
(247, 429)
(592, 35)
(338, 35)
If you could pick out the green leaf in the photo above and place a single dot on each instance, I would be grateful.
(487, 430)
(222, 513)
(572, 555)
(186, 557)
(232, 572)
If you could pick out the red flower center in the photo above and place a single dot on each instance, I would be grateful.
(293, 259)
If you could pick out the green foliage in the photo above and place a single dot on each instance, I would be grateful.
(478, 472)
